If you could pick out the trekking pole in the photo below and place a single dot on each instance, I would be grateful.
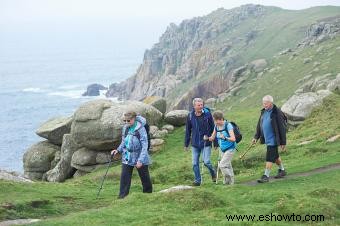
(108, 166)
(247, 150)
(218, 165)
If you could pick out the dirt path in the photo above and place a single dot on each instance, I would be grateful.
(303, 174)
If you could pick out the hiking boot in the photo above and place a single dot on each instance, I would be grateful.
(196, 184)
(213, 179)
(263, 179)
(280, 174)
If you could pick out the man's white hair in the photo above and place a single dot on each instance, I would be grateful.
(197, 99)
(268, 98)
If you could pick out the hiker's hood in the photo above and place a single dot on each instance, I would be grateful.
(141, 121)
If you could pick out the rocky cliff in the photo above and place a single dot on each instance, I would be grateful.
(198, 56)
(185, 53)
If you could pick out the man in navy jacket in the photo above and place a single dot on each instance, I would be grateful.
(199, 127)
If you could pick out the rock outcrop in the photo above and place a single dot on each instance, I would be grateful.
(54, 129)
(97, 124)
(299, 106)
(308, 96)
(321, 31)
(13, 176)
(88, 137)
(177, 117)
(63, 168)
(94, 90)
(38, 159)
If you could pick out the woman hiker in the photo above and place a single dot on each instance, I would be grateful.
(134, 150)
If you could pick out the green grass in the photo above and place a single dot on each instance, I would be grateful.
(74, 202)
(283, 82)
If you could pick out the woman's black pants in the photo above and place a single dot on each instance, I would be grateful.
(125, 179)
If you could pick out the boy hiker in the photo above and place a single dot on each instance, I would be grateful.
(271, 130)
(224, 133)
(199, 126)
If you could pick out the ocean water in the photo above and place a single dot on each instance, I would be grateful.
(42, 80)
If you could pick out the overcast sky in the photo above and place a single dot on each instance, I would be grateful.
(20, 12)
(142, 16)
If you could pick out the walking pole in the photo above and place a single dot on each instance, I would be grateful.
(247, 150)
(108, 166)
(218, 165)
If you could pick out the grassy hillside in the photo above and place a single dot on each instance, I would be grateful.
(74, 202)
(274, 31)
(285, 71)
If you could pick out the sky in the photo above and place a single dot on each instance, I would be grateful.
(142, 19)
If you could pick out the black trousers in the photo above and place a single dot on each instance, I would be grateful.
(125, 179)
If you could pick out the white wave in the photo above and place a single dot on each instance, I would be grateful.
(33, 90)
(77, 94)
(70, 94)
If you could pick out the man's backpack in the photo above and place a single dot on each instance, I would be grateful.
(237, 131)
(285, 121)
(137, 134)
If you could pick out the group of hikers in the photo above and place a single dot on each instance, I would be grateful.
(203, 129)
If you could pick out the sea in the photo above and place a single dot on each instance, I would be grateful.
(44, 77)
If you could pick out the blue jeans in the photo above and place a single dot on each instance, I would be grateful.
(206, 152)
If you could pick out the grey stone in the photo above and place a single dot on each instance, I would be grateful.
(283, 52)
(94, 90)
(63, 169)
(37, 159)
(103, 157)
(177, 117)
(18, 222)
(33, 175)
(79, 173)
(169, 128)
(13, 176)
(153, 131)
(57, 157)
(84, 157)
(177, 189)
(98, 126)
(157, 102)
(307, 60)
(333, 139)
(88, 168)
(54, 129)
(299, 106)
(306, 142)
(334, 85)
(258, 65)
(160, 133)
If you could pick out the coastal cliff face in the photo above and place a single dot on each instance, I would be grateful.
(185, 53)
(199, 56)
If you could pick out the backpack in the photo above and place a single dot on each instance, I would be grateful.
(137, 134)
(236, 129)
(285, 121)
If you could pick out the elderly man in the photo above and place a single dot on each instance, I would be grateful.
(271, 130)
(199, 127)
